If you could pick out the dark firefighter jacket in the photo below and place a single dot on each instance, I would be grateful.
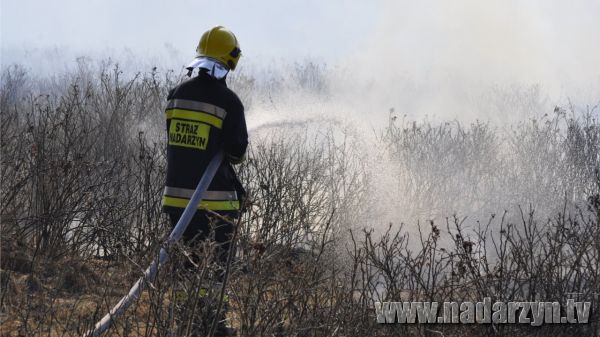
(203, 116)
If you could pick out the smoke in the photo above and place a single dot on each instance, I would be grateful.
(503, 62)
(466, 60)
(452, 58)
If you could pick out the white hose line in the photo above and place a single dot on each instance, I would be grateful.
(104, 324)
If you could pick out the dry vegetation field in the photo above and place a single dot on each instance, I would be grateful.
(82, 170)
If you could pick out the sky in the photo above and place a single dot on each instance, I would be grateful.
(296, 29)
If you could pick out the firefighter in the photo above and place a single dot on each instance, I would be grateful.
(203, 117)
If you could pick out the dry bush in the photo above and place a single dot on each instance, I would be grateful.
(480, 168)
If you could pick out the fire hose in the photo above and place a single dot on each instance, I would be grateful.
(136, 290)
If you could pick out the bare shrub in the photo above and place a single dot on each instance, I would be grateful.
(480, 169)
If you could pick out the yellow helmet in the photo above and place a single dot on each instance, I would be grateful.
(220, 44)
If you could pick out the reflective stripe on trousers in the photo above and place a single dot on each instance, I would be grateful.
(213, 200)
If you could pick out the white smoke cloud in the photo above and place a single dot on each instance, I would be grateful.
(498, 61)
(445, 58)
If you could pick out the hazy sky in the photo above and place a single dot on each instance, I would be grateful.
(275, 29)
(424, 56)
(418, 33)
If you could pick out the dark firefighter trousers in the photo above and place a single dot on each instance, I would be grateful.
(201, 227)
